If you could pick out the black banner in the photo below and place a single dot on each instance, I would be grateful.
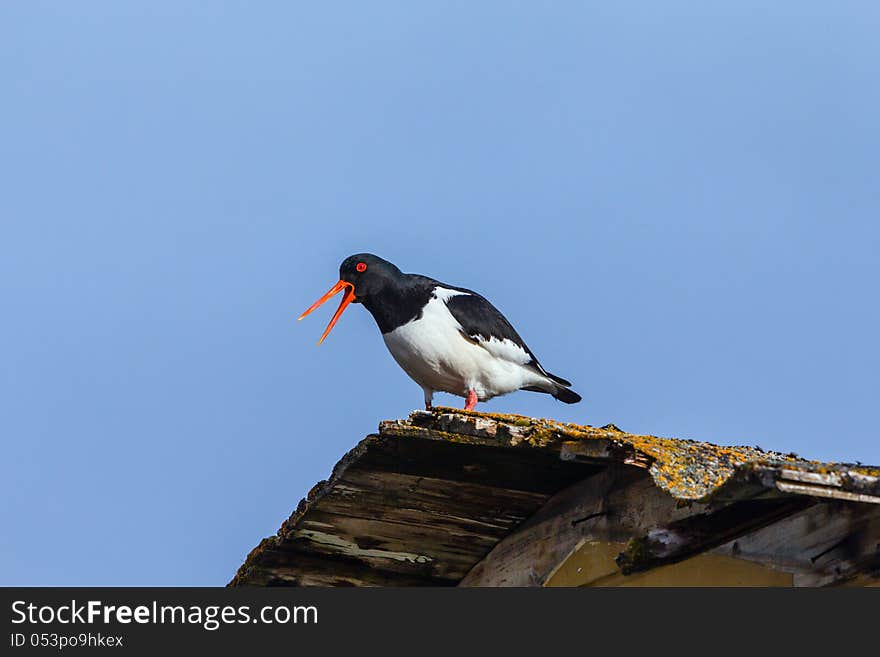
(151, 621)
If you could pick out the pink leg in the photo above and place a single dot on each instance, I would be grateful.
(471, 400)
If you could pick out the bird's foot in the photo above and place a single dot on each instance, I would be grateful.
(428, 406)
(471, 400)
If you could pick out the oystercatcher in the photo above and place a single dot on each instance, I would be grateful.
(447, 338)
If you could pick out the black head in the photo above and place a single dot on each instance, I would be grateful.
(362, 276)
(369, 274)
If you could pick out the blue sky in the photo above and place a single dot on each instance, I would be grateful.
(675, 203)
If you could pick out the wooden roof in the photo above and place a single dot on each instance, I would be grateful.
(448, 497)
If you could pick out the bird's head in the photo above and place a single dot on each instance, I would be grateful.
(361, 276)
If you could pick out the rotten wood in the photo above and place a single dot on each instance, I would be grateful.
(613, 506)
(829, 543)
(487, 500)
(404, 510)
(703, 531)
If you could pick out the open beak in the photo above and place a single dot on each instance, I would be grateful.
(347, 298)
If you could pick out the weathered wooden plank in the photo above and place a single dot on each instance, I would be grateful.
(296, 553)
(298, 568)
(423, 501)
(431, 494)
(605, 451)
(703, 531)
(826, 543)
(826, 491)
(437, 550)
(432, 539)
(861, 486)
(473, 429)
(451, 519)
(612, 506)
(522, 468)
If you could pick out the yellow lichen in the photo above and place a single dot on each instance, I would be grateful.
(689, 470)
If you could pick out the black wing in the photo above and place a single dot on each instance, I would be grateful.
(482, 321)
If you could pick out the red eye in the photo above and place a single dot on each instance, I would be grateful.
(361, 266)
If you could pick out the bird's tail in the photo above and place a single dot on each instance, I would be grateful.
(557, 387)
(566, 395)
(563, 391)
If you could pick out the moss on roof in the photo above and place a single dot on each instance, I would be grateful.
(686, 469)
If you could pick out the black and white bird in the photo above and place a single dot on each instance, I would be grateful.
(447, 338)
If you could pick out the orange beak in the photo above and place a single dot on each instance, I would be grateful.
(347, 298)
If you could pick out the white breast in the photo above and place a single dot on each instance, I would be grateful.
(437, 356)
